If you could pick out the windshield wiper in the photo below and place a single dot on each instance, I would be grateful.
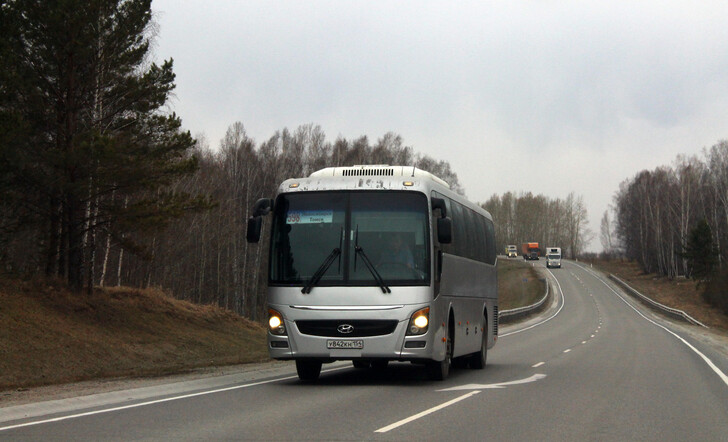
(321, 270)
(374, 272)
(377, 277)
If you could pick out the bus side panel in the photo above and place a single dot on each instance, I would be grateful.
(472, 287)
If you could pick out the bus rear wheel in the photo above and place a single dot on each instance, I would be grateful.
(308, 370)
(478, 359)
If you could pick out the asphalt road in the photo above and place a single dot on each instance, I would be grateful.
(595, 366)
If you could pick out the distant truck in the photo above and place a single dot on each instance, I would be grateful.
(553, 257)
(512, 251)
(530, 250)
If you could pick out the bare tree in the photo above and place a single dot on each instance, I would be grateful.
(605, 235)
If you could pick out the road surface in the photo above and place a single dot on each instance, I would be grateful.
(594, 366)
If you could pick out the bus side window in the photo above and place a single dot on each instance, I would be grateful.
(459, 235)
(490, 240)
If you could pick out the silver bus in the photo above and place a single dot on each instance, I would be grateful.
(375, 264)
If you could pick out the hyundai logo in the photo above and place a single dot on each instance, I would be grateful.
(345, 329)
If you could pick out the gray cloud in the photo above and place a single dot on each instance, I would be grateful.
(586, 94)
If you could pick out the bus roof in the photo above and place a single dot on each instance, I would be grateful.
(375, 177)
(379, 170)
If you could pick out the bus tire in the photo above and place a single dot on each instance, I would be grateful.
(478, 359)
(439, 370)
(360, 364)
(380, 364)
(308, 370)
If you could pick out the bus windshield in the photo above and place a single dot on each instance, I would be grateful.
(327, 238)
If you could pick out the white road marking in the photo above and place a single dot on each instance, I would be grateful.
(476, 387)
(537, 365)
(425, 413)
(707, 360)
(563, 301)
(534, 378)
(156, 401)
(567, 350)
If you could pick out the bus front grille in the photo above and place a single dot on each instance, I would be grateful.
(346, 329)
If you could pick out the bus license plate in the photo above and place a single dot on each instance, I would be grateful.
(358, 344)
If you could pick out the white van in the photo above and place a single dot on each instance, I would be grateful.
(553, 257)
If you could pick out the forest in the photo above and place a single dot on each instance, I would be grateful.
(101, 186)
(523, 217)
(673, 220)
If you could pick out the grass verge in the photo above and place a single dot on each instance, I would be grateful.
(680, 293)
(519, 284)
(49, 335)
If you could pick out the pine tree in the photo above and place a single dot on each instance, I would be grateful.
(701, 254)
(84, 144)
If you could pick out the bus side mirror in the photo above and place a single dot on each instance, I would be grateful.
(262, 207)
(255, 223)
(439, 203)
(444, 230)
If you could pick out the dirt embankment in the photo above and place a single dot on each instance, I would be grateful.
(682, 294)
(49, 335)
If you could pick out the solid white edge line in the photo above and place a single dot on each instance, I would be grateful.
(707, 360)
(156, 401)
(563, 301)
(425, 413)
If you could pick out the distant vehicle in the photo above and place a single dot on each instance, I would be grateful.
(511, 251)
(530, 250)
(553, 257)
(373, 264)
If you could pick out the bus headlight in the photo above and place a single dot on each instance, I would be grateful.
(419, 322)
(275, 323)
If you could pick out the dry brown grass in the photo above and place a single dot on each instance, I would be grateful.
(518, 284)
(49, 335)
(682, 294)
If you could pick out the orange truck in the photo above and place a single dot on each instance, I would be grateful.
(530, 250)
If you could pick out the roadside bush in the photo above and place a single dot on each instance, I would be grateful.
(716, 291)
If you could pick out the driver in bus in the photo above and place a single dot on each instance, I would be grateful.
(398, 253)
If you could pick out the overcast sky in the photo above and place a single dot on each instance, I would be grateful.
(550, 97)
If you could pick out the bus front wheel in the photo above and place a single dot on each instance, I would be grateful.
(308, 370)
(439, 370)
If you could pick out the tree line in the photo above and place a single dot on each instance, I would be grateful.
(86, 150)
(525, 217)
(100, 186)
(205, 257)
(673, 220)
